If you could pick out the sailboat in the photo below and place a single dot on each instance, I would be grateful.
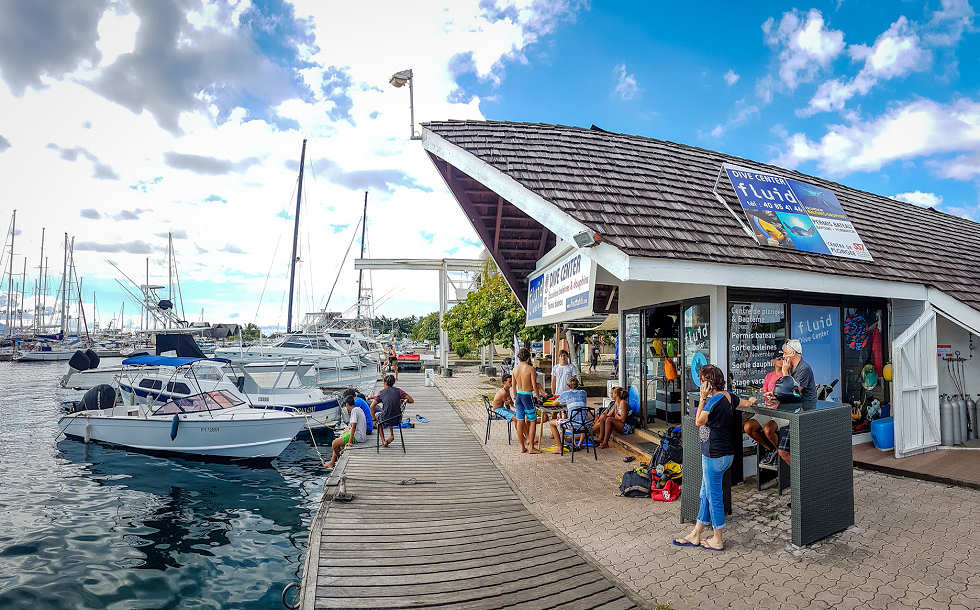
(326, 347)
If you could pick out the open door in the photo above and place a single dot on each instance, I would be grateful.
(916, 390)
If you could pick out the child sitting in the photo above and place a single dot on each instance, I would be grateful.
(578, 415)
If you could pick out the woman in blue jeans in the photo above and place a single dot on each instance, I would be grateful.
(716, 411)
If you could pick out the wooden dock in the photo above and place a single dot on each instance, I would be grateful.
(460, 536)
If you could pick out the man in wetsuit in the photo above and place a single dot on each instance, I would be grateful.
(526, 383)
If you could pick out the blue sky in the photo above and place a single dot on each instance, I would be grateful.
(136, 119)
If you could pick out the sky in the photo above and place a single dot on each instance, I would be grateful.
(124, 120)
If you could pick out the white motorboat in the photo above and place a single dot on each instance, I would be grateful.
(276, 386)
(213, 424)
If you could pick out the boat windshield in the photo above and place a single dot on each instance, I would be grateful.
(207, 401)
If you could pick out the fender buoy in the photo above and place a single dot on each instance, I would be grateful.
(88, 431)
(173, 427)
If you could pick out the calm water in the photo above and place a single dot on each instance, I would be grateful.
(87, 526)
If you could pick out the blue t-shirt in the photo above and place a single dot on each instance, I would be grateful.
(574, 400)
(363, 405)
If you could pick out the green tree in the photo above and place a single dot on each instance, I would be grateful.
(491, 314)
(251, 332)
(426, 328)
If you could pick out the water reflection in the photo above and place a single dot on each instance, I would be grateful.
(96, 526)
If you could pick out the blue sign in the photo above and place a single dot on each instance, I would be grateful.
(818, 329)
(791, 214)
(535, 297)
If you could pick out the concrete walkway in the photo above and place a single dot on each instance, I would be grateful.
(915, 544)
(458, 536)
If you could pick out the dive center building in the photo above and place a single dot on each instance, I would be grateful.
(707, 257)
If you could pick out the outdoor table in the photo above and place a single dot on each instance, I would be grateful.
(545, 412)
(821, 469)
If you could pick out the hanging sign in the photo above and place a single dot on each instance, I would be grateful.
(791, 214)
(562, 292)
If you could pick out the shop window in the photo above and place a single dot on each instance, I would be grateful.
(662, 353)
(757, 332)
(865, 355)
(631, 359)
(818, 329)
(697, 343)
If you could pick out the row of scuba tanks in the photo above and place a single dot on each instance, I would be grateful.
(957, 419)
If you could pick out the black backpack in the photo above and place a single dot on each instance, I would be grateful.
(635, 485)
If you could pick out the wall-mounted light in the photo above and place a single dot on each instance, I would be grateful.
(587, 239)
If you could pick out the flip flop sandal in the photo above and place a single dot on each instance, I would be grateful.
(422, 419)
(710, 548)
(685, 543)
(628, 459)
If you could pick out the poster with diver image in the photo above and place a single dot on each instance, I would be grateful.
(818, 329)
(791, 214)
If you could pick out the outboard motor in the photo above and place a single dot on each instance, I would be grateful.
(102, 396)
(80, 361)
(93, 358)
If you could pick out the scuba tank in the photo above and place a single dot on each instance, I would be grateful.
(961, 411)
(971, 412)
(946, 429)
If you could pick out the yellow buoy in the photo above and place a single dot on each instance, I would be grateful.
(886, 372)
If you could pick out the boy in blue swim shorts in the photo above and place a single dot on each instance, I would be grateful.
(526, 384)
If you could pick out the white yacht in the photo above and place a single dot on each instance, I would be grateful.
(211, 424)
(289, 386)
(327, 350)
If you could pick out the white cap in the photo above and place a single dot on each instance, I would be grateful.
(795, 345)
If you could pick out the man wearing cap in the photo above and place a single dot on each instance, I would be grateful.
(797, 368)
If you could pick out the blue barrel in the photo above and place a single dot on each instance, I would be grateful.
(883, 433)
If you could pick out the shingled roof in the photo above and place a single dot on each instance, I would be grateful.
(653, 198)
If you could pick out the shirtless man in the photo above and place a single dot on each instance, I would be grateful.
(526, 382)
(502, 399)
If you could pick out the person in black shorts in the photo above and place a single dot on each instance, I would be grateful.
(390, 415)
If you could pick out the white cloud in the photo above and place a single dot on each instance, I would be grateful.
(626, 87)
(228, 178)
(898, 51)
(743, 111)
(907, 131)
(805, 45)
(947, 24)
(926, 200)
(731, 77)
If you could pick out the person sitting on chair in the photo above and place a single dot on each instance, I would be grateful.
(356, 431)
(361, 403)
(574, 400)
(390, 415)
(503, 402)
(767, 436)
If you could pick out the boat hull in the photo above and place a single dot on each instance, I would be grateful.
(253, 438)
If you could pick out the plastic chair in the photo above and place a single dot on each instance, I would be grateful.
(391, 422)
(492, 415)
(578, 423)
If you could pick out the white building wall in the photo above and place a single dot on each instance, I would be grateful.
(948, 333)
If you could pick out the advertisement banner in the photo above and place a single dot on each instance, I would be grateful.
(791, 214)
(818, 329)
(562, 292)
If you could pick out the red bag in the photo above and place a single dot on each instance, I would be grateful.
(668, 493)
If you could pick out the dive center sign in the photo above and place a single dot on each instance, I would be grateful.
(791, 214)
(563, 291)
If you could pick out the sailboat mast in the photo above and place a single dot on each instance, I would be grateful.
(64, 270)
(39, 286)
(292, 262)
(10, 275)
(360, 273)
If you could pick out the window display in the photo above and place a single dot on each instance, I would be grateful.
(864, 353)
(757, 332)
(631, 354)
(697, 342)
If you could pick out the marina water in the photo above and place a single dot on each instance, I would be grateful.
(88, 526)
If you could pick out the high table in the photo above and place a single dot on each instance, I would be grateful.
(821, 468)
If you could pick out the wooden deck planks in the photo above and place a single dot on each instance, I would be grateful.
(463, 538)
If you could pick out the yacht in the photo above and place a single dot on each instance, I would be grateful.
(289, 386)
(213, 424)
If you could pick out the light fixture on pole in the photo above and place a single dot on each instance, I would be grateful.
(398, 79)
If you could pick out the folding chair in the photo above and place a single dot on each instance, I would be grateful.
(392, 422)
(579, 422)
(492, 415)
